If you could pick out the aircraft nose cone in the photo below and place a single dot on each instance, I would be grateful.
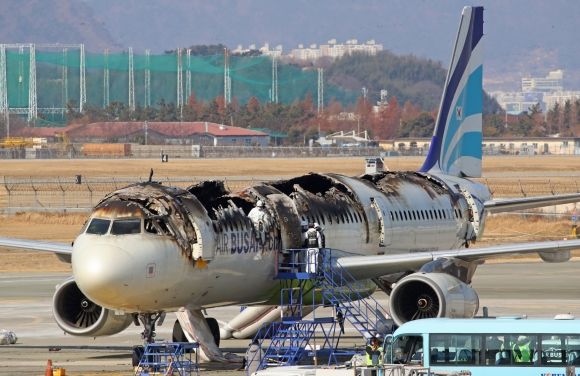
(103, 272)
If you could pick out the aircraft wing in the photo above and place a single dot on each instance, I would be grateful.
(62, 250)
(500, 206)
(364, 267)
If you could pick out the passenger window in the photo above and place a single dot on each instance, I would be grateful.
(392, 217)
(406, 218)
(98, 226)
(455, 349)
(560, 349)
(360, 218)
(422, 214)
(350, 216)
(511, 349)
(126, 226)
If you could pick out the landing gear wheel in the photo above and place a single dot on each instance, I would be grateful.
(178, 334)
(215, 329)
(137, 355)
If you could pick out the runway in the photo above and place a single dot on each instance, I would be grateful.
(537, 289)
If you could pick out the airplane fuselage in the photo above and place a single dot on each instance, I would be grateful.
(231, 261)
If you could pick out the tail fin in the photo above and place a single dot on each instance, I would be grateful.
(456, 144)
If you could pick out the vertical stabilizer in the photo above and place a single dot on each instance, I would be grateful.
(456, 144)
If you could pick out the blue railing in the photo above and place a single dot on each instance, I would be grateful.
(293, 340)
(169, 358)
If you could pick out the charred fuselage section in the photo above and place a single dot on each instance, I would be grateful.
(219, 240)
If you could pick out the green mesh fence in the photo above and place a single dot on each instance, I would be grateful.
(250, 76)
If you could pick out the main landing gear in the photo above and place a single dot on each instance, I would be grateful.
(148, 335)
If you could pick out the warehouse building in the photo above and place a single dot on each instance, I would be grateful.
(173, 133)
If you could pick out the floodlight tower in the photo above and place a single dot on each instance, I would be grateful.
(320, 90)
(131, 81)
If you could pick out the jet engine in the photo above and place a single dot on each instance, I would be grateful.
(429, 295)
(77, 315)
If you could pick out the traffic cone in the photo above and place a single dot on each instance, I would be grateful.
(170, 368)
(48, 371)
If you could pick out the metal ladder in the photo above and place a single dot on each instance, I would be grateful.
(292, 340)
(169, 358)
(358, 307)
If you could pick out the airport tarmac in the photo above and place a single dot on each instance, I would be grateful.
(537, 289)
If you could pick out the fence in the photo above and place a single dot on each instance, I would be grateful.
(65, 195)
(187, 151)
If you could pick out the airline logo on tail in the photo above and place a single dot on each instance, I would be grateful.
(456, 143)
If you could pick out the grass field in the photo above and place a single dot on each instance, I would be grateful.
(257, 167)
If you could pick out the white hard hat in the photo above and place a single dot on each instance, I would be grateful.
(316, 225)
(260, 203)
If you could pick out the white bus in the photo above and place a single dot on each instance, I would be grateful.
(489, 346)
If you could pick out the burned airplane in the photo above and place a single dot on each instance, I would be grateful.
(148, 249)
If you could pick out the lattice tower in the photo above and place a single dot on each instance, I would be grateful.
(148, 79)
(131, 81)
(320, 90)
(32, 108)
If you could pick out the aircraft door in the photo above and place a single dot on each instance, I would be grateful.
(385, 223)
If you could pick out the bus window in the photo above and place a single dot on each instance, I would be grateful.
(408, 350)
(514, 349)
(451, 349)
(560, 350)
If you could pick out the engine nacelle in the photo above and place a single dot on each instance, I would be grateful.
(77, 315)
(429, 295)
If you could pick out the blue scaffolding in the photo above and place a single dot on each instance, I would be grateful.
(169, 358)
(293, 340)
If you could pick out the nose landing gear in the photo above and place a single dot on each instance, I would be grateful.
(148, 335)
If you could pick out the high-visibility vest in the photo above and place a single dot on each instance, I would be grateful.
(526, 356)
(370, 353)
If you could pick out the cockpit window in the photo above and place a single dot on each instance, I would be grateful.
(126, 226)
(98, 226)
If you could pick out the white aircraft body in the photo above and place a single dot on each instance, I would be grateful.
(148, 249)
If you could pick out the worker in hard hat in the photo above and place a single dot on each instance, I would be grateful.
(321, 232)
(521, 351)
(313, 243)
(374, 352)
(258, 216)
